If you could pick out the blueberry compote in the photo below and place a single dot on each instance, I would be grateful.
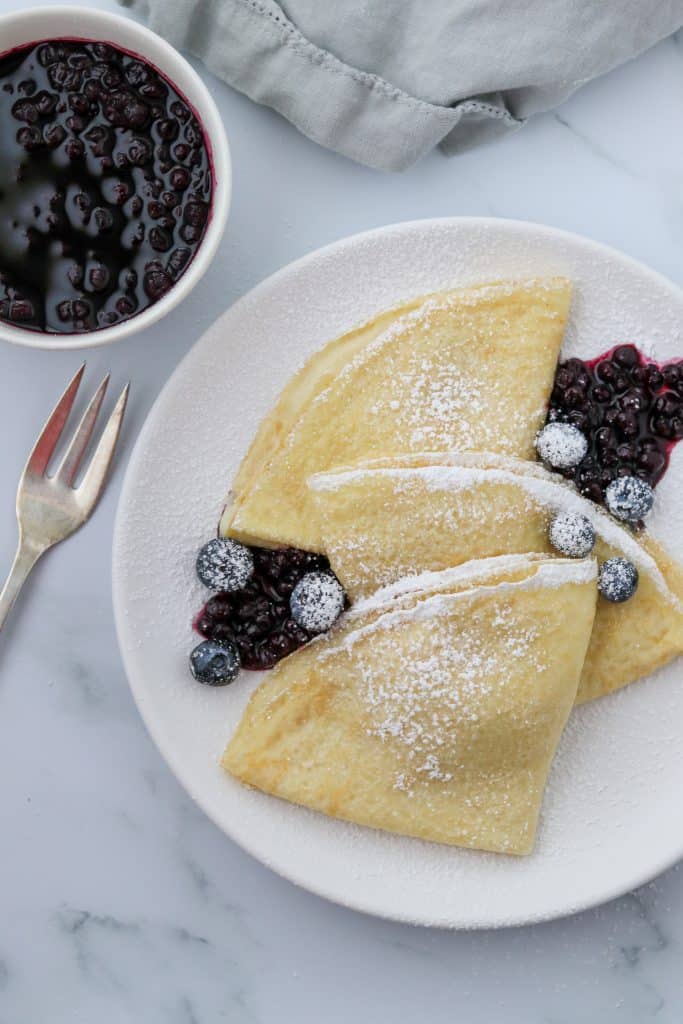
(630, 409)
(105, 186)
(258, 617)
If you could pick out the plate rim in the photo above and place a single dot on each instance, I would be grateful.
(466, 923)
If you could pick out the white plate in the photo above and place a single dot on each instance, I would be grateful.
(610, 817)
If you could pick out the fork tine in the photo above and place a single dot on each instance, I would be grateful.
(52, 431)
(79, 442)
(96, 473)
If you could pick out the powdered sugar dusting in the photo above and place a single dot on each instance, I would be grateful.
(472, 572)
(437, 688)
(561, 445)
(440, 403)
(551, 573)
(422, 695)
(456, 472)
(317, 601)
(546, 573)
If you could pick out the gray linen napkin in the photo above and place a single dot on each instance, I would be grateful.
(383, 81)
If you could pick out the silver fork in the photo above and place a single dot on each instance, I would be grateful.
(50, 508)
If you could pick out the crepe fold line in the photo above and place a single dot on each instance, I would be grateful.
(394, 517)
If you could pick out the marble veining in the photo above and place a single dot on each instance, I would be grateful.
(120, 901)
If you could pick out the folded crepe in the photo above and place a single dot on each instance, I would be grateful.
(388, 518)
(434, 708)
(468, 369)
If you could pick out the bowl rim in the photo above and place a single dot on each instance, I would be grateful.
(153, 48)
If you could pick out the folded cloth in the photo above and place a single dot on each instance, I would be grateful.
(384, 82)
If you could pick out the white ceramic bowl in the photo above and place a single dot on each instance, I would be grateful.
(39, 23)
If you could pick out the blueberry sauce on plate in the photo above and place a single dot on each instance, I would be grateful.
(258, 618)
(630, 410)
(105, 186)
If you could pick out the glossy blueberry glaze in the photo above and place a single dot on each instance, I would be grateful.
(105, 186)
(630, 410)
(258, 618)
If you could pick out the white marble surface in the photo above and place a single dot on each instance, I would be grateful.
(119, 901)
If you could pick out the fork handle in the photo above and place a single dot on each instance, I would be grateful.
(26, 557)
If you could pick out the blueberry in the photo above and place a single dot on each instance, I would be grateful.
(98, 277)
(601, 394)
(195, 214)
(617, 579)
(156, 283)
(180, 111)
(160, 240)
(74, 149)
(215, 664)
(190, 234)
(572, 534)
(579, 419)
(633, 401)
(224, 564)
(629, 498)
(606, 371)
(125, 306)
(180, 178)
(79, 103)
(137, 73)
(626, 452)
(30, 138)
(626, 423)
(20, 310)
(25, 110)
(561, 445)
(626, 356)
(140, 151)
(653, 377)
(177, 261)
(168, 129)
(53, 135)
(317, 601)
(135, 114)
(604, 438)
(75, 275)
(101, 140)
(103, 219)
(672, 374)
(154, 90)
(76, 123)
(663, 427)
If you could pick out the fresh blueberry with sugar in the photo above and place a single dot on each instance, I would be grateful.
(561, 445)
(572, 534)
(629, 498)
(617, 579)
(316, 602)
(224, 564)
(215, 664)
